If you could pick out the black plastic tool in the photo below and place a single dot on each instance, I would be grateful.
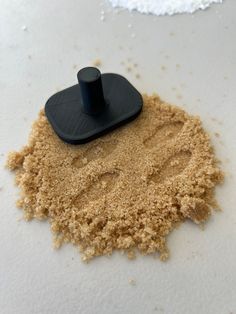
(95, 106)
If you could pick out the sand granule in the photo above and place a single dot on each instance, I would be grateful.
(126, 190)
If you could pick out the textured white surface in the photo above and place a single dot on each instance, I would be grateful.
(162, 7)
(41, 44)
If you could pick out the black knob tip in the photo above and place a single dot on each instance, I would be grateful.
(91, 90)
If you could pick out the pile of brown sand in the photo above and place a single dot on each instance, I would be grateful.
(126, 190)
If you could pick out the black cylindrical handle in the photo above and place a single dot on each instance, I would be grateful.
(91, 90)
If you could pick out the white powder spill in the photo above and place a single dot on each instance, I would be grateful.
(163, 7)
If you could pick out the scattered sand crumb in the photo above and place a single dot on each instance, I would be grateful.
(217, 134)
(163, 67)
(131, 255)
(97, 63)
(202, 226)
(132, 282)
(124, 191)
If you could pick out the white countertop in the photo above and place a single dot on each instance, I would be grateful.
(198, 54)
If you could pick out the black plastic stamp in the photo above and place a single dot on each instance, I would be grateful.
(95, 106)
